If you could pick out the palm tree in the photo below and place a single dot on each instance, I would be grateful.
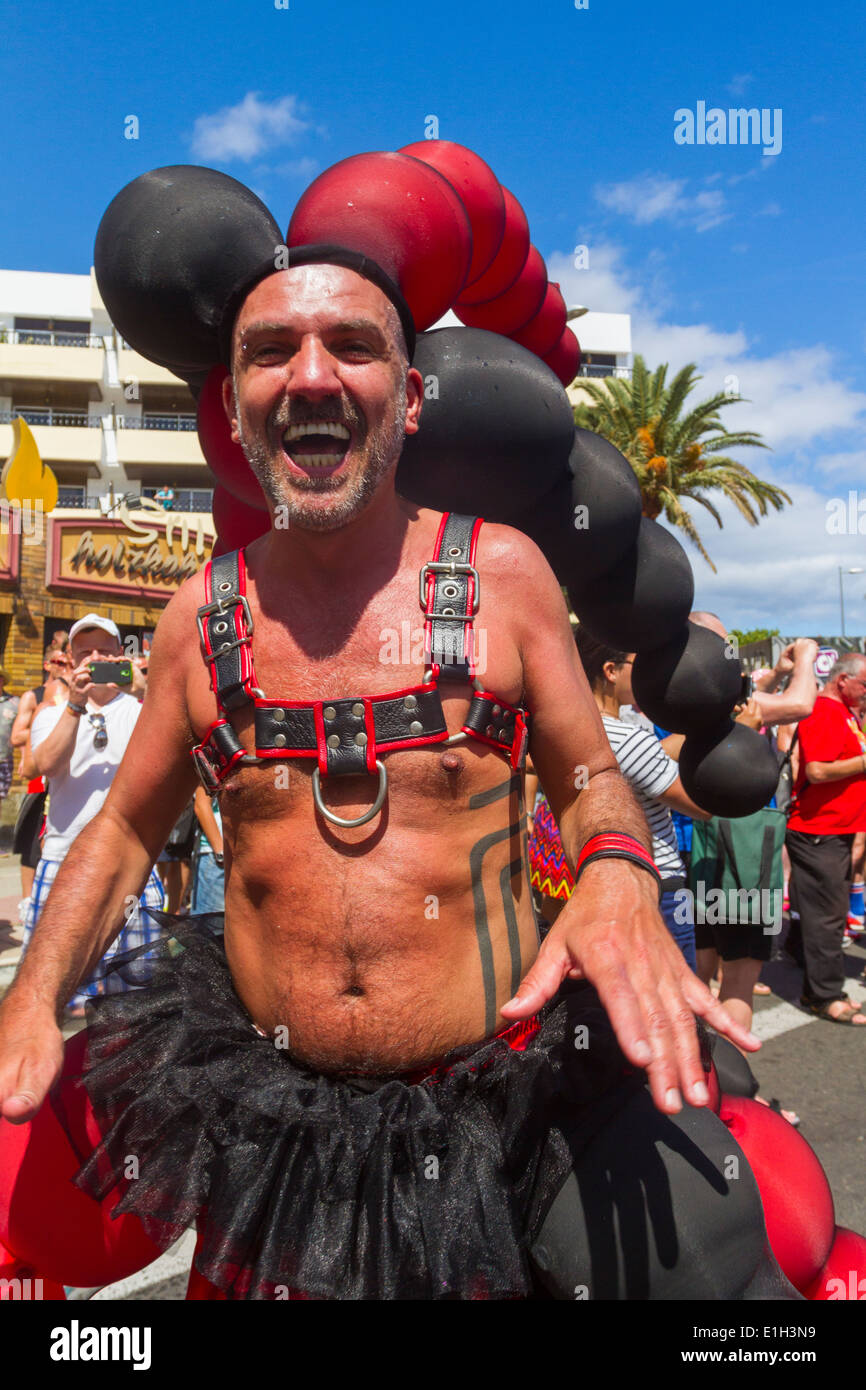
(677, 456)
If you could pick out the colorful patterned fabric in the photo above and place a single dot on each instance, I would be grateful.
(139, 930)
(549, 872)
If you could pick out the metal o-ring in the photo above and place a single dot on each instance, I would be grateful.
(357, 820)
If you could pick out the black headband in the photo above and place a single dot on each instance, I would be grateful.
(318, 254)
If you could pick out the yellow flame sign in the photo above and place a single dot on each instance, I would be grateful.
(25, 478)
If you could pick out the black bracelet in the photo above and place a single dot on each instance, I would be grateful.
(623, 854)
(76, 709)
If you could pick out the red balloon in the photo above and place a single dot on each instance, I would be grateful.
(236, 523)
(50, 1225)
(795, 1193)
(544, 331)
(226, 460)
(509, 260)
(564, 360)
(511, 310)
(843, 1277)
(49, 1290)
(402, 213)
(480, 190)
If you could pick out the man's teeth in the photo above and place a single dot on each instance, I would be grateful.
(330, 427)
(318, 460)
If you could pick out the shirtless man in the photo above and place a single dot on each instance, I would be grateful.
(329, 932)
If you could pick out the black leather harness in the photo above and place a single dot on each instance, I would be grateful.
(347, 735)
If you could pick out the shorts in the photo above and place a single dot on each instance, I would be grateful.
(735, 940)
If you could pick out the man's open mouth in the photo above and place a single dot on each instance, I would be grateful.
(318, 444)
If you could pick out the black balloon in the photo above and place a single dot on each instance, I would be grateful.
(171, 250)
(496, 427)
(690, 684)
(731, 772)
(645, 600)
(592, 516)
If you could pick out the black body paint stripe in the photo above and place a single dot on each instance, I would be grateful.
(482, 929)
(495, 793)
(505, 876)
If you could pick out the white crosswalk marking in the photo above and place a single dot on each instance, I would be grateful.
(779, 1018)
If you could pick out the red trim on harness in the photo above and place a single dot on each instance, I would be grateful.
(322, 747)
(413, 742)
(469, 628)
(371, 733)
(220, 768)
(310, 704)
(248, 675)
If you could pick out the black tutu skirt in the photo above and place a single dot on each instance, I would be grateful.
(333, 1187)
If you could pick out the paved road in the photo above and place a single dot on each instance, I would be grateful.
(813, 1067)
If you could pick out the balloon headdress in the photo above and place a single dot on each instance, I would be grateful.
(180, 248)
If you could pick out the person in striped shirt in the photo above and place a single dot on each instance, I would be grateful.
(652, 773)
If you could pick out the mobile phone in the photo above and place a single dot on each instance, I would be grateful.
(110, 672)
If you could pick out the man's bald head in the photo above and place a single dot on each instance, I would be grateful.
(709, 620)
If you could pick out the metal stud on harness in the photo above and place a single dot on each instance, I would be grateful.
(345, 736)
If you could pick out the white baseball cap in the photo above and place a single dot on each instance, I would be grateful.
(95, 620)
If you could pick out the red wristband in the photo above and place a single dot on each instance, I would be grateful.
(613, 845)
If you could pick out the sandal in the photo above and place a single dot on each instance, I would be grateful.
(761, 988)
(790, 1115)
(846, 1017)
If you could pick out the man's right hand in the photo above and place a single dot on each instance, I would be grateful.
(805, 650)
(31, 1058)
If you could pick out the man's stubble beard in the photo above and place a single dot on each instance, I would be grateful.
(352, 495)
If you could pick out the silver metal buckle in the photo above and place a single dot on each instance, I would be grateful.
(222, 605)
(453, 568)
(358, 820)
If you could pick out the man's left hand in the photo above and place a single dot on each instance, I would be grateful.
(611, 933)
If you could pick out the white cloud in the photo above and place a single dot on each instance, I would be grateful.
(739, 83)
(847, 465)
(245, 131)
(650, 197)
(771, 210)
(782, 573)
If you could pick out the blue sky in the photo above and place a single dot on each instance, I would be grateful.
(749, 265)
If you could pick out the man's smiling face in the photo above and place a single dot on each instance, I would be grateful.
(320, 397)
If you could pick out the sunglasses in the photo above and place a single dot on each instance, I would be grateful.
(100, 733)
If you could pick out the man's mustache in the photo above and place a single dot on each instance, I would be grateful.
(283, 416)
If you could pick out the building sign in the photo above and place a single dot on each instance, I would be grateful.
(824, 661)
(148, 554)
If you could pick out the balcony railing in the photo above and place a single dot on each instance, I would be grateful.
(602, 369)
(50, 415)
(76, 497)
(185, 499)
(44, 337)
(157, 422)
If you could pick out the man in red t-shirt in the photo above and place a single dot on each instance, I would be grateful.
(829, 807)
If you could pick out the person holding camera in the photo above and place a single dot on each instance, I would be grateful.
(77, 746)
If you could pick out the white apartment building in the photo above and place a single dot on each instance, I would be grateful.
(108, 422)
